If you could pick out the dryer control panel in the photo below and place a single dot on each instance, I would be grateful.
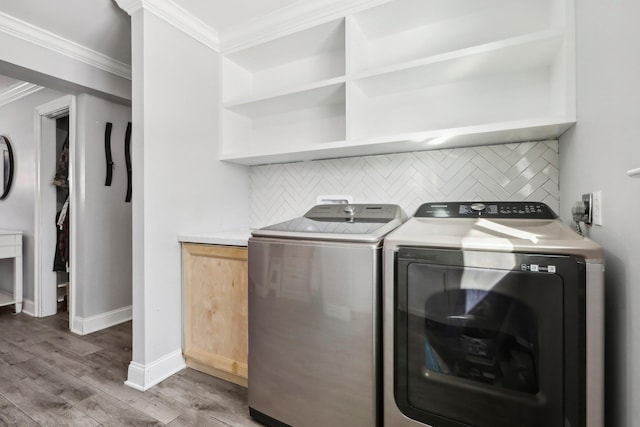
(521, 210)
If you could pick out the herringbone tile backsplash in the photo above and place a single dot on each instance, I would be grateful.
(524, 171)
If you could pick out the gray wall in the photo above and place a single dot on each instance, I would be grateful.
(103, 230)
(594, 155)
(103, 281)
(18, 209)
(180, 186)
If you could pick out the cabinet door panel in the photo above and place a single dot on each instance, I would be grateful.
(215, 310)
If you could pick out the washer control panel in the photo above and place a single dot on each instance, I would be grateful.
(523, 210)
(356, 212)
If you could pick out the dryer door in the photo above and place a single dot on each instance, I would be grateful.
(483, 339)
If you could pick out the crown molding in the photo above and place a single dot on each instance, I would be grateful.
(176, 16)
(295, 17)
(45, 39)
(17, 91)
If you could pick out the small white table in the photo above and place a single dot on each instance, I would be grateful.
(11, 247)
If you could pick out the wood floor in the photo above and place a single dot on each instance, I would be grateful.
(51, 377)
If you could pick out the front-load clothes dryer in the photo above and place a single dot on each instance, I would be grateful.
(315, 284)
(493, 317)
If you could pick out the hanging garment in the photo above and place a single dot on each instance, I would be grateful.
(61, 258)
(61, 179)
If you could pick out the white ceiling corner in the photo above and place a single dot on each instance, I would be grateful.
(245, 22)
(174, 14)
(226, 26)
(295, 16)
(17, 91)
(48, 40)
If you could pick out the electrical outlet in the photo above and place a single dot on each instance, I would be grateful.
(587, 200)
(596, 207)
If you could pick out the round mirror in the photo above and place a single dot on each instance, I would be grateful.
(6, 167)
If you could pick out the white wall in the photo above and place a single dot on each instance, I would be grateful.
(179, 185)
(594, 155)
(17, 210)
(103, 229)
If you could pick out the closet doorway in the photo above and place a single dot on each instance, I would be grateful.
(55, 124)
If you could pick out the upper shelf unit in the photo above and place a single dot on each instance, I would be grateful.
(401, 76)
(307, 57)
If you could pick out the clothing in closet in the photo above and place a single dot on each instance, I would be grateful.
(61, 179)
(61, 259)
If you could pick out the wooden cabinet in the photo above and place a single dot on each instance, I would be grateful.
(214, 310)
(403, 75)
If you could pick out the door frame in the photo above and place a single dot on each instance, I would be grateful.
(45, 286)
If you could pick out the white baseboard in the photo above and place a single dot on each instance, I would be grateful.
(29, 307)
(87, 325)
(143, 377)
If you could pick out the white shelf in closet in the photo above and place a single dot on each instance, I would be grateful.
(6, 298)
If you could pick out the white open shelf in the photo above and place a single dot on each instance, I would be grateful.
(323, 92)
(6, 298)
(405, 30)
(515, 54)
(420, 74)
(299, 59)
(288, 121)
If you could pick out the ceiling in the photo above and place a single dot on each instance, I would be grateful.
(225, 15)
(99, 25)
(103, 27)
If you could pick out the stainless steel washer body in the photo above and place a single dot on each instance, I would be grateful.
(314, 317)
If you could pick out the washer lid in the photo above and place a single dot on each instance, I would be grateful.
(353, 222)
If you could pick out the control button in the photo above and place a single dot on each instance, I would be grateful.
(350, 210)
(478, 207)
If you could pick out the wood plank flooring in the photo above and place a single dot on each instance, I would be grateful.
(51, 377)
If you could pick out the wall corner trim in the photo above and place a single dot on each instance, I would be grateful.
(88, 325)
(143, 377)
(176, 16)
(28, 307)
(48, 40)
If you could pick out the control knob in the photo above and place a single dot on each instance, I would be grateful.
(478, 207)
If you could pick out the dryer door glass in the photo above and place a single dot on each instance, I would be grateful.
(479, 346)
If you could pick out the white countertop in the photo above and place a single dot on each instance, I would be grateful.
(229, 238)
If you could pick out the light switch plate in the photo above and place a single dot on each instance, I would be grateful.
(596, 208)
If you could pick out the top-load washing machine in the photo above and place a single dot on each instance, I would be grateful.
(315, 286)
(493, 317)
